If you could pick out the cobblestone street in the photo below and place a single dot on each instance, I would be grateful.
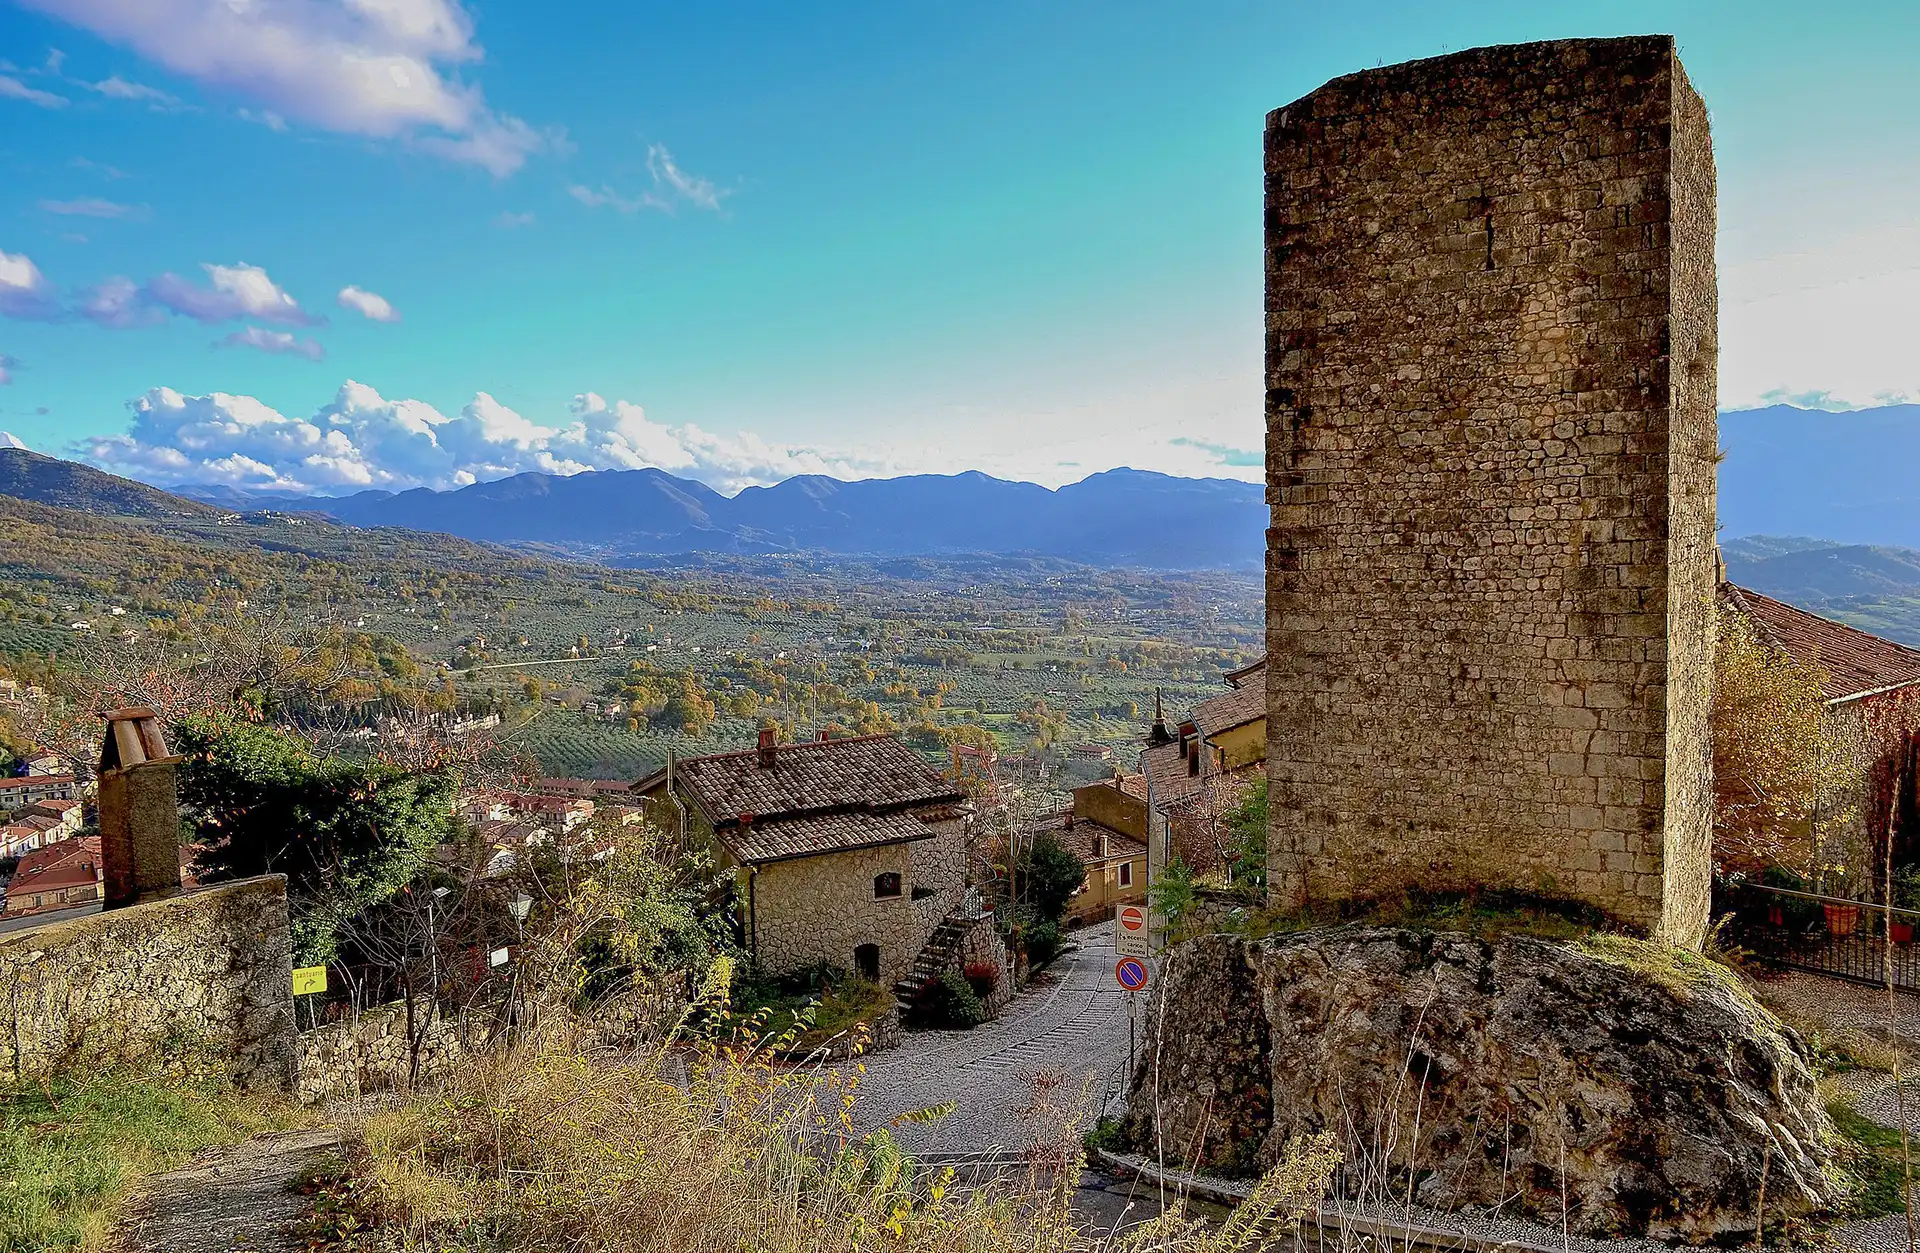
(1075, 1026)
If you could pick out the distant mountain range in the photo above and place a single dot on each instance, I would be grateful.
(1846, 478)
(1849, 478)
(1120, 517)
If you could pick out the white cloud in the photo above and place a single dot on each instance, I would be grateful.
(236, 291)
(7, 366)
(103, 170)
(118, 304)
(24, 291)
(510, 221)
(672, 187)
(362, 440)
(93, 207)
(360, 67)
(13, 89)
(367, 304)
(277, 342)
(117, 88)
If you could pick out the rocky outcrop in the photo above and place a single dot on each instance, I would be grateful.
(1638, 1087)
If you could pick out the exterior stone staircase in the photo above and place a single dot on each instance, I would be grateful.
(942, 948)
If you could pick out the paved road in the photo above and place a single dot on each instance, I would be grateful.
(1074, 1026)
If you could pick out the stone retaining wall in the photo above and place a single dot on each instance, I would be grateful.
(370, 1052)
(195, 983)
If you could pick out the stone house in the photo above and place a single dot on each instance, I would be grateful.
(1872, 691)
(846, 853)
(1196, 775)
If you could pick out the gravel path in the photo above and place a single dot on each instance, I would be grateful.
(1074, 1026)
(237, 1197)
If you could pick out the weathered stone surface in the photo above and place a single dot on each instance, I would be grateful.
(194, 982)
(1491, 435)
(373, 1052)
(1517, 1072)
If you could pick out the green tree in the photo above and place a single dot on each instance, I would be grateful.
(1049, 874)
(1247, 842)
(347, 834)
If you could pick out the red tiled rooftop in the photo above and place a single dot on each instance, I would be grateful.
(36, 780)
(1852, 662)
(760, 842)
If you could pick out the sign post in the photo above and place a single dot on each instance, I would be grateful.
(307, 981)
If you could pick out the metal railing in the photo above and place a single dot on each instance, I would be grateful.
(1859, 941)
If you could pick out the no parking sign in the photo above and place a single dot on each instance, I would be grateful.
(1131, 972)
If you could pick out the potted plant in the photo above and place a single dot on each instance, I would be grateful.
(1905, 893)
(1841, 918)
(1785, 910)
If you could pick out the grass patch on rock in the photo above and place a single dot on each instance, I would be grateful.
(71, 1148)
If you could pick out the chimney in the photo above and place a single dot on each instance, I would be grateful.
(139, 811)
(766, 748)
(825, 736)
(1159, 735)
(1193, 756)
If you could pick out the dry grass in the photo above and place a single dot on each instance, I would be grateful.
(714, 1149)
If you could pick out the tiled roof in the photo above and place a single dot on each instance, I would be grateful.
(1083, 838)
(1165, 769)
(1231, 709)
(1851, 661)
(760, 842)
(1134, 785)
(36, 780)
(875, 772)
(69, 863)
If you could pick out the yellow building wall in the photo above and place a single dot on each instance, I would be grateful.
(1104, 894)
(1111, 808)
(1241, 745)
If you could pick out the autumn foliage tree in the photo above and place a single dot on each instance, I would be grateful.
(1777, 761)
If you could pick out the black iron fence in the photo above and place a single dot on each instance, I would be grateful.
(1860, 941)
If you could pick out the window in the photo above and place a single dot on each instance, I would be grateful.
(885, 885)
(1126, 874)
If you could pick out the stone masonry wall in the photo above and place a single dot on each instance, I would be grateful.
(812, 910)
(371, 1052)
(1490, 342)
(192, 983)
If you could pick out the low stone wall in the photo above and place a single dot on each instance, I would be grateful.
(196, 983)
(371, 1052)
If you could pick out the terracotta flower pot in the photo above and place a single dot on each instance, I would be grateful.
(1841, 919)
(1900, 930)
(1777, 915)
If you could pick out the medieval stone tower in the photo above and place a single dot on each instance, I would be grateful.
(1491, 366)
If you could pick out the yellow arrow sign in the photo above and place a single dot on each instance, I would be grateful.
(309, 979)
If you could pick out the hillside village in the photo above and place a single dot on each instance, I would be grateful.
(1508, 875)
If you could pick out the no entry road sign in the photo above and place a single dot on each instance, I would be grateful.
(1130, 935)
(1133, 918)
(1131, 972)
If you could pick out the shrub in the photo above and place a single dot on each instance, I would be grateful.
(949, 1001)
(1044, 943)
(983, 978)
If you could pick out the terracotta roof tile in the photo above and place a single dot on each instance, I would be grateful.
(1083, 837)
(874, 772)
(1852, 662)
(1232, 709)
(761, 842)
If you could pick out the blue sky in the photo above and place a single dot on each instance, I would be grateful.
(745, 240)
